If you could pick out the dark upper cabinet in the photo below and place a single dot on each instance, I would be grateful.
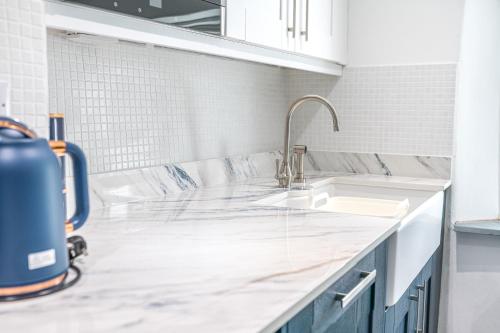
(206, 16)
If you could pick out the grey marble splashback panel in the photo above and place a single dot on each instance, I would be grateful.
(380, 164)
(150, 183)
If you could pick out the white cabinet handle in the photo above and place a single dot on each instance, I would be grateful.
(292, 28)
(368, 278)
(306, 31)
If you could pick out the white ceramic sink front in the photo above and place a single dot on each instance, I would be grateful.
(412, 245)
(420, 211)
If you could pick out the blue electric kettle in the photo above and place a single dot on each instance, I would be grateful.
(33, 247)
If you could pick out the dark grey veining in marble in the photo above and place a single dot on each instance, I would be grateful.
(380, 164)
(181, 177)
(150, 183)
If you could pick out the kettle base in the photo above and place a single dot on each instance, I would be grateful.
(32, 288)
(51, 286)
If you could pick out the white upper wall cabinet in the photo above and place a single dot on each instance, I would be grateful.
(338, 36)
(302, 34)
(317, 28)
(236, 19)
(263, 22)
(290, 30)
(256, 21)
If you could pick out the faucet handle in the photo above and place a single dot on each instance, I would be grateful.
(278, 167)
(300, 149)
(299, 152)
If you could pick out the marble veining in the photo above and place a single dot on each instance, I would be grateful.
(380, 164)
(181, 177)
(206, 260)
(149, 183)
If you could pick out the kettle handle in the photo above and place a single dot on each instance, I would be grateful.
(81, 186)
(81, 183)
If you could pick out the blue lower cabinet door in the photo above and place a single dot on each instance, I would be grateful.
(389, 320)
(364, 309)
(302, 322)
(403, 326)
(284, 329)
(347, 323)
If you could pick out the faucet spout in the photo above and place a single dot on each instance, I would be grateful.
(285, 177)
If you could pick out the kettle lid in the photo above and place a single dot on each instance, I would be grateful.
(14, 129)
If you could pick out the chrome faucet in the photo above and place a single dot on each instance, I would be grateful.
(286, 171)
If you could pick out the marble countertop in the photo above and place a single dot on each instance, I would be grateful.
(208, 260)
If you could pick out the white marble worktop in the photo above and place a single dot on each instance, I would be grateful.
(207, 260)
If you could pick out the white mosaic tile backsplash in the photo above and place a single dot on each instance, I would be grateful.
(23, 60)
(388, 109)
(133, 106)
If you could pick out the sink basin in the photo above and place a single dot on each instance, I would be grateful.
(346, 204)
(420, 211)
(366, 206)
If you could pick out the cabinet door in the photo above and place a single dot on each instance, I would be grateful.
(398, 316)
(338, 36)
(430, 293)
(235, 19)
(264, 22)
(355, 303)
(315, 22)
(290, 26)
(412, 312)
(323, 29)
(415, 306)
(358, 318)
(402, 317)
(346, 323)
(434, 291)
(302, 322)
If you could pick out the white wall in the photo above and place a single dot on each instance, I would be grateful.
(23, 60)
(474, 300)
(393, 32)
(477, 118)
(474, 270)
(402, 100)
